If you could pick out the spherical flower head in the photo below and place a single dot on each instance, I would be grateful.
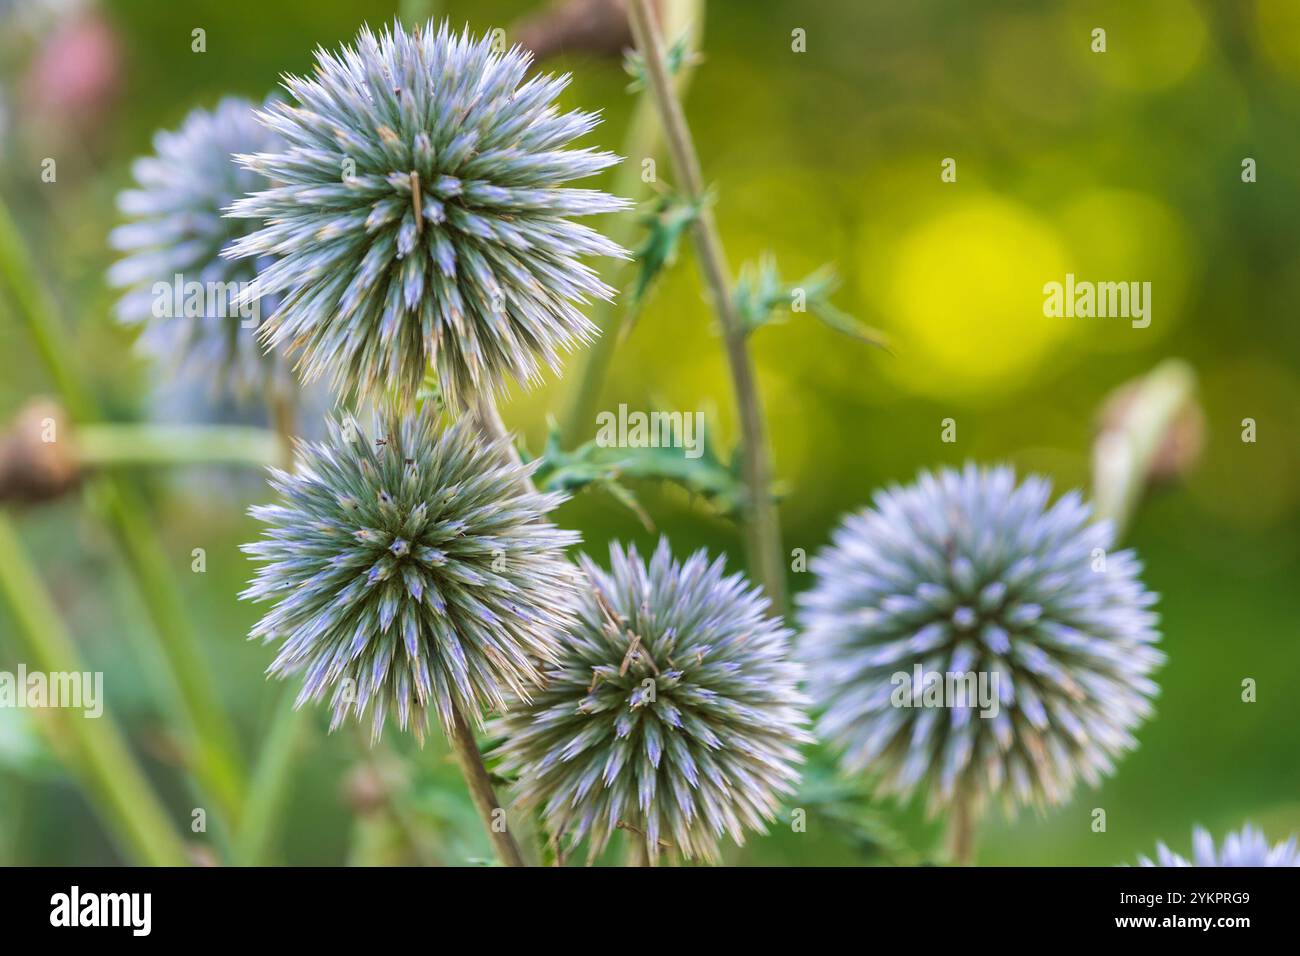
(411, 571)
(181, 292)
(964, 637)
(674, 711)
(419, 218)
(1249, 847)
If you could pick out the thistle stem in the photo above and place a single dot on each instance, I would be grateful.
(962, 832)
(480, 790)
(119, 789)
(212, 754)
(643, 140)
(763, 532)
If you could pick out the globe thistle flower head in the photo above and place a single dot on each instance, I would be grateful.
(1249, 847)
(173, 242)
(966, 573)
(411, 572)
(673, 712)
(419, 219)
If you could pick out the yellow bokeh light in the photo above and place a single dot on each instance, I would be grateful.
(965, 299)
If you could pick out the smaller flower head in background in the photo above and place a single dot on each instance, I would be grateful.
(188, 299)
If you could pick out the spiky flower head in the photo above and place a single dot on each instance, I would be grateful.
(1249, 847)
(411, 572)
(180, 290)
(420, 217)
(966, 573)
(674, 711)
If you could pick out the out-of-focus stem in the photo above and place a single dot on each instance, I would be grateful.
(269, 787)
(211, 749)
(113, 445)
(118, 787)
(763, 530)
(643, 140)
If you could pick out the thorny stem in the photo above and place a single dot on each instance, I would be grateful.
(480, 790)
(212, 753)
(643, 140)
(763, 531)
(128, 803)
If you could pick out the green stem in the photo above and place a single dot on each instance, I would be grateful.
(644, 138)
(211, 742)
(763, 531)
(480, 790)
(114, 445)
(269, 787)
(122, 794)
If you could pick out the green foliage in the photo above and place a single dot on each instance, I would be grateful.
(762, 296)
(707, 477)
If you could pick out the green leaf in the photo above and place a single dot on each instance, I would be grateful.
(707, 476)
(761, 296)
(675, 57)
(669, 219)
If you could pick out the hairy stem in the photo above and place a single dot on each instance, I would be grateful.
(480, 790)
(763, 531)
(112, 778)
(211, 750)
(643, 140)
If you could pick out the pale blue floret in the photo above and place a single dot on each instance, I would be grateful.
(410, 573)
(966, 571)
(674, 711)
(418, 219)
(1249, 847)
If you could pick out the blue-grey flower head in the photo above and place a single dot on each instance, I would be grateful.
(674, 711)
(967, 573)
(411, 572)
(180, 291)
(1247, 848)
(419, 217)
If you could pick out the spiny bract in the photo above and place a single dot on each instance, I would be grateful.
(179, 230)
(967, 573)
(418, 213)
(413, 573)
(1248, 848)
(674, 711)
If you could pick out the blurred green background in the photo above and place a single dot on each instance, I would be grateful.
(1117, 166)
